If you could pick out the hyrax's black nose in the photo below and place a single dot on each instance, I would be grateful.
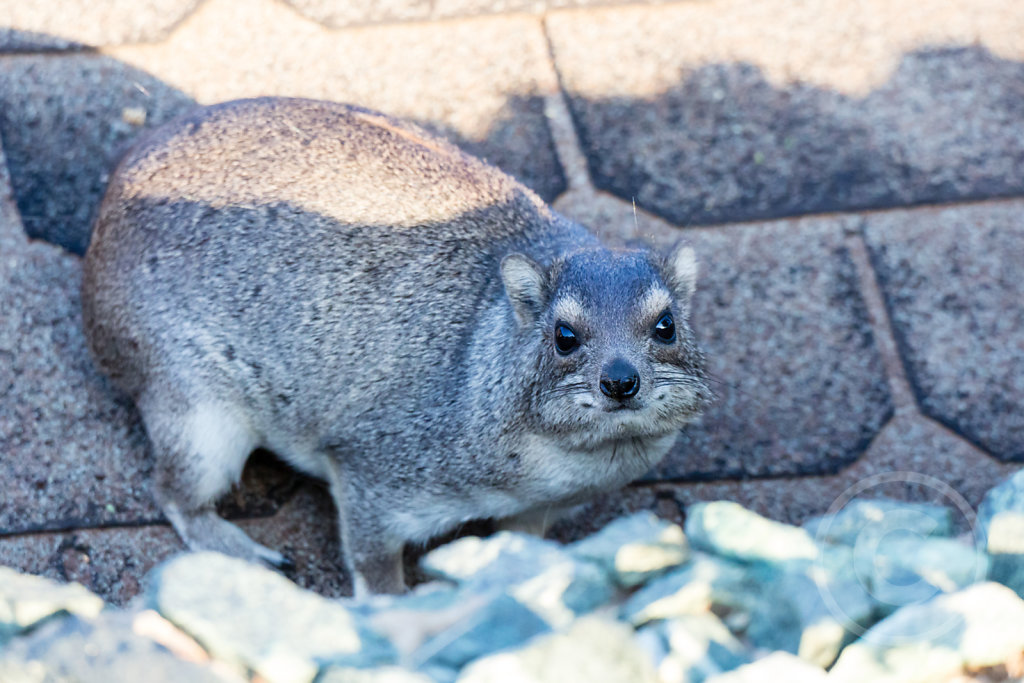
(619, 380)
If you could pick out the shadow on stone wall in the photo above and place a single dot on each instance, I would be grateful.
(727, 145)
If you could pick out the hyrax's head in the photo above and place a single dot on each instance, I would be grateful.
(616, 357)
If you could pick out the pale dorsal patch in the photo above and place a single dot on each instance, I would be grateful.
(569, 309)
(655, 301)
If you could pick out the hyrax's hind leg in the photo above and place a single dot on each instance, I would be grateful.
(200, 449)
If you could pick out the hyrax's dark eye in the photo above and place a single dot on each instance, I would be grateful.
(665, 329)
(566, 340)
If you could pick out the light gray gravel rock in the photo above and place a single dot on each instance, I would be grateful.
(703, 583)
(536, 572)
(104, 650)
(437, 628)
(593, 649)
(807, 608)
(1001, 519)
(389, 674)
(730, 530)
(634, 549)
(862, 517)
(810, 610)
(27, 600)
(501, 622)
(908, 570)
(691, 648)
(978, 627)
(500, 558)
(778, 666)
(255, 619)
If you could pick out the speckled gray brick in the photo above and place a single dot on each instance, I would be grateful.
(337, 13)
(75, 24)
(113, 561)
(801, 386)
(65, 121)
(74, 454)
(952, 283)
(718, 111)
(458, 8)
(109, 562)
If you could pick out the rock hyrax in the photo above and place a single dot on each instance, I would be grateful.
(384, 312)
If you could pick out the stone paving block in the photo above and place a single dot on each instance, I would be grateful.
(73, 453)
(339, 13)
(459, 8)
(715, 111)
(65, 120)
(952, 283)
(480, 82)
(343, 13)
(75, 24)
(801, 387)
(12, 234)
(112, 563)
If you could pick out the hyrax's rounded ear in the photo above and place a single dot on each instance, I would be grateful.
(681, 270)
(526, 285)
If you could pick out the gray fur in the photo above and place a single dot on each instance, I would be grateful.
(328, 283)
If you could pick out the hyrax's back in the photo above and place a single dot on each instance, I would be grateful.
(308, 247)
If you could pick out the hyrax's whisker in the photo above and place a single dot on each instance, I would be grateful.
(736, 388)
